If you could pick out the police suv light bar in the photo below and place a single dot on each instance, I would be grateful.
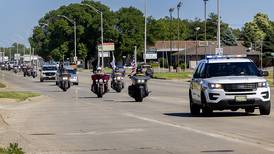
(224, 56)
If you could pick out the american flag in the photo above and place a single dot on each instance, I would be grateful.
(133, 65)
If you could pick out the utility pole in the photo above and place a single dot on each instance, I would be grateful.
(178, 30)
(205, 15)
(168, 56)
(261, 55)
(219, 25)
(196, 35)
(135, 56)
(145, 43)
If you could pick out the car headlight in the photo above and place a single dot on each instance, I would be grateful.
(214, 86)
(262, 84)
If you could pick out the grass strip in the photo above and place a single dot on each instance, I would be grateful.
(2, 85)
(170, 75)
(20, 96)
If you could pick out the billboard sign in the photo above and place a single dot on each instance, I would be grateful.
(107, 47)
(17, 56)
(106, 54)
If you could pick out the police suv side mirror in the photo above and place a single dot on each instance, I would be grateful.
(264, 73)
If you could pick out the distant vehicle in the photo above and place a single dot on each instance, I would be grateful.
(229, 82)
(2, 65)
(11, 64)
(48, 72)
(148, 70)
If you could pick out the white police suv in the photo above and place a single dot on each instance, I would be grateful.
(228, 83)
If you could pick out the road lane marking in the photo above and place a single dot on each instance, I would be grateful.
(125, 131)
(243, 140)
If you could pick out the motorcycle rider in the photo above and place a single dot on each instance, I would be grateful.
(99, 72)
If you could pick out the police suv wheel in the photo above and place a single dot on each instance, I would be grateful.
(265, 108)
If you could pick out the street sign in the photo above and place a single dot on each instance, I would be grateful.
(6, 58)
(26, 58)
(17, 56)
(150, 56)
(106, 54)
(75, 58)
(219, 51)
(203, 43)
(107, 47)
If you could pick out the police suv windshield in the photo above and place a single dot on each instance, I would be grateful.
(71, 71)
(49, 68)
(231, 69)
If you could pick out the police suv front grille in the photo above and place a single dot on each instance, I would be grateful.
(50, 74)
(240, 87)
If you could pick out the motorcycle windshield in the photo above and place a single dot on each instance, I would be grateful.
(140, 78)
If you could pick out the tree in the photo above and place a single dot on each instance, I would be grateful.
(229, 38)
(56, 39)
(130, 26)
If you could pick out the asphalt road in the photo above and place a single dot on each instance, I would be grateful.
(77, 121)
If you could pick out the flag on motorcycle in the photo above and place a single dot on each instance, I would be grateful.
(113, 62)
(133, 65)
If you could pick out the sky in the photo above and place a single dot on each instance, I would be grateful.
(18, 17)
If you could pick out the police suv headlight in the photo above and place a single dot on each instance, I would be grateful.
(262, 84)
(214, 86)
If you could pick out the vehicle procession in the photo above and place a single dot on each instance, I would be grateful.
(220, 82)
(66, 75)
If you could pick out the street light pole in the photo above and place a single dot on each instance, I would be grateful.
(178, 29)
(145, 43)
(205, 1)
(196, 35)
(102, 38)
(171, 18)
(219, 25)
(102, 32)
(75, 37)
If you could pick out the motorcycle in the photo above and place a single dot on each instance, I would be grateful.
(138, 90)
(27, 72)
(33, 73)
(63, 81)
(16, 69)
(117, 82)
(100, 84)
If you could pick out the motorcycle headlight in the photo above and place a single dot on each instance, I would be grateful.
(118, 78)
(96, 80)
(101, 81)
(262, 85)
(214, 86)
(105, 81)
(65, 78)
(141, 81)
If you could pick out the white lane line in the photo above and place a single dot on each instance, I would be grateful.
(268, 147)
(125, 131)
